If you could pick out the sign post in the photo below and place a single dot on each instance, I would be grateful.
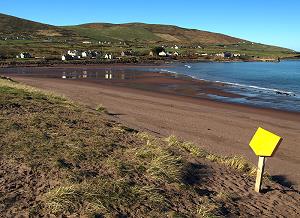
(264, 144)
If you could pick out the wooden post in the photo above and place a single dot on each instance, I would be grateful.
(260, 172)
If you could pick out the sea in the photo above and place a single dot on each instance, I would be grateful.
(260, 84)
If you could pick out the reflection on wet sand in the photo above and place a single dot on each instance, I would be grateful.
(107, 74)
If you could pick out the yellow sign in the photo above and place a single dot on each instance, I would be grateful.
(264, 143)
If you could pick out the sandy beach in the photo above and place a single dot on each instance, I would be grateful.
(222, 128)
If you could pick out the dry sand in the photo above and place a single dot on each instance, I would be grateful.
(222, 128)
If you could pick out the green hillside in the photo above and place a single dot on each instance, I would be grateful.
(43, 40)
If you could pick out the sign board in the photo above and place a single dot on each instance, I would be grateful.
(264, 143)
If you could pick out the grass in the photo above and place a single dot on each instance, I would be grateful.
(235, 162)
(81, 163)
(101, 108)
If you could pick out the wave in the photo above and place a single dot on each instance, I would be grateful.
(277, 91)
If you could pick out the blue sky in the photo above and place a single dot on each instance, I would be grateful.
(273, 22)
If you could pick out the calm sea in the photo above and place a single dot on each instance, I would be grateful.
(261, 84)
(264, 84)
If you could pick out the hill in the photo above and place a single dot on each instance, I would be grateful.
(18, 27)
(151, 32)
(43, 40)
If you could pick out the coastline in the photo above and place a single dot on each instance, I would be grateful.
(223, 128)
(160, 80)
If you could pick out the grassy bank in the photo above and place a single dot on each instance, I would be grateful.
(58, 157)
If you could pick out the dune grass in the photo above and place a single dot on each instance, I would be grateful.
(235, 162)
(88, 165)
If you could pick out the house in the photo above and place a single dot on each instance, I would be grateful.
(84, 54)
(151, 54)
(162, 54)
(24, 55)
(122, 53)
(87, 42)
(236, 55)
(176, 47)
(108, 56)
(221, 55)
(204, 54)
(73, 53)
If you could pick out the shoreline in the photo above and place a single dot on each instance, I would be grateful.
(191, 87)
(222, 128)
(91, 62)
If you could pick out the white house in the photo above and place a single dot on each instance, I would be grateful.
(151, 53)
(220, 55)
(175, 53)
(108, 56)
(73, 53)
(84, 54)
(63, 57)
(236, 55)
(24, 55)
(87, 42)
(162, 54)
(176, 47)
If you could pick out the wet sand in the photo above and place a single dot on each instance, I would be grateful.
(222, 128)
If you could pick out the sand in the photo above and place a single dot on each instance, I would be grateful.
(222, 128)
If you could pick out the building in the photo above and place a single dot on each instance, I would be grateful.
(175, 53)
(220, 55)
(84, 54)
(108, 56)
(24, 55)
(151, 54)
(176, 47)
(162, 54)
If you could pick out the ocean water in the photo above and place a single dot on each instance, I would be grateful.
(262, 84)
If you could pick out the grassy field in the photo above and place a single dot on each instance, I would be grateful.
(58, 157)
(42, 40)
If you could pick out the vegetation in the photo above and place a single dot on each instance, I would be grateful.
(48, 42)
(66, 159)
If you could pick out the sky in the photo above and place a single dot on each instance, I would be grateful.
(274, 22)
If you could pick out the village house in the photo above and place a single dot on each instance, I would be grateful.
(162, 54)
(151, 54)
(108, 56)
(236, 55)
(24, 55)
(220, 55)
(176, 47)
(73, 53)
(84, 54)
(87, 42)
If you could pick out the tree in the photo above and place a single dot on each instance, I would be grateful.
(157, 50)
